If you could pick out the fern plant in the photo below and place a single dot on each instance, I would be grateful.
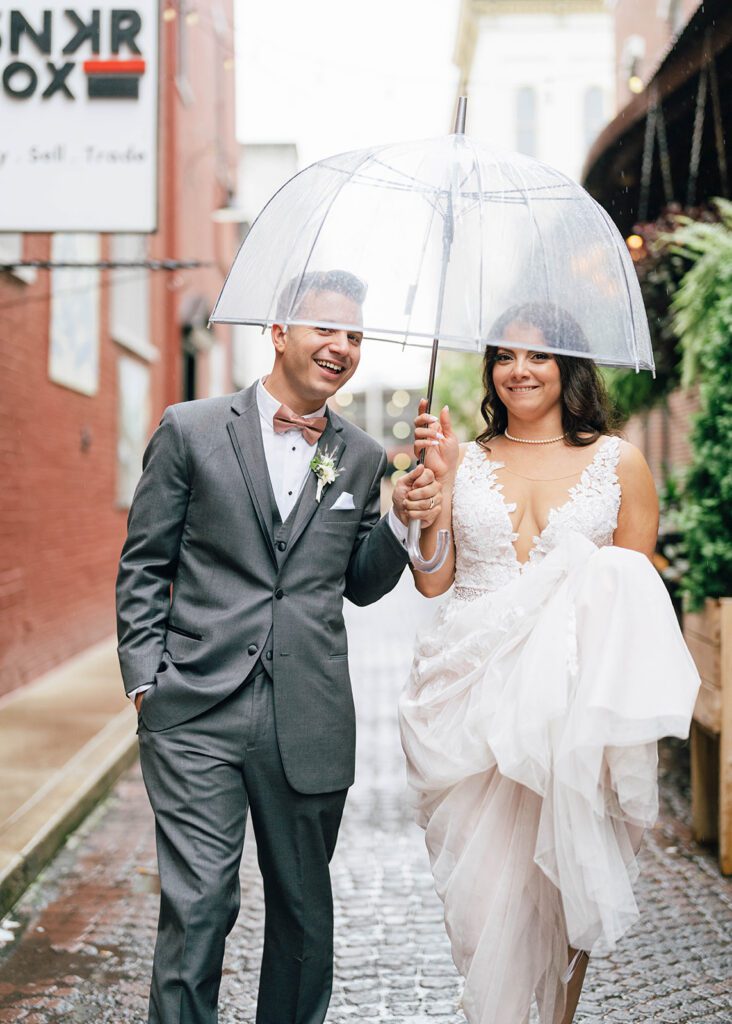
(702, 309)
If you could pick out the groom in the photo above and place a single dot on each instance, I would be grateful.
(233, 646)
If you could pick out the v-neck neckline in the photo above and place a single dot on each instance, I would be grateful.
(494, 464)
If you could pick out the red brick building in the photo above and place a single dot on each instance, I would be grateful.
(70, 446)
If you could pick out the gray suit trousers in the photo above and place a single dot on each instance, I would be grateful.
(202, 777)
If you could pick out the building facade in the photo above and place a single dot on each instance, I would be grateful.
(539, 75)
(643, 34)
(647, 36)
(89, 358)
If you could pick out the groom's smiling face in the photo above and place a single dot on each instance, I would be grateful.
(314, 362)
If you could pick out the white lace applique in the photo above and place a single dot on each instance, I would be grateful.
(484, 537)
(592, 506)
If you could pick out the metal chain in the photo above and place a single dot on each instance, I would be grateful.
(647, 163)
(696, 139)
(668, 188)
(719, 130)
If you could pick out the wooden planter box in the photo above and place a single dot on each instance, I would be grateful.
(709, 636)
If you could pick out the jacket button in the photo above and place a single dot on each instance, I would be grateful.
(252, 649)
(279, 593)
(281, 545)
(268, 655)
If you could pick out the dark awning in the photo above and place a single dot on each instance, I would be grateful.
(613, 170)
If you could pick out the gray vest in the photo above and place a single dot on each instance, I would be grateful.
(281, 538)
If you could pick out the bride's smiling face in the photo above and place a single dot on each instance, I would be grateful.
(526, 381)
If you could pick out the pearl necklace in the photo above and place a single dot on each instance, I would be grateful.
(531, 440)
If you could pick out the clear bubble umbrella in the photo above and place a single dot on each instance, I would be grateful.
(449, 236)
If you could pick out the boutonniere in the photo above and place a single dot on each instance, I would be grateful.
(324, 467)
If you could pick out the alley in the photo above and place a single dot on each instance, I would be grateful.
(86, 927)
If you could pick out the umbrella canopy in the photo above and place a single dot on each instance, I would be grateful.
(448, 237)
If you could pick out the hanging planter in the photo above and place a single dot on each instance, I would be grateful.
(708, 634)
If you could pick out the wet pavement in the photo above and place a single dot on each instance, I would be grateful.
(85, 930)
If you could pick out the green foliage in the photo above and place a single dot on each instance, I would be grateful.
(629, 392)
(705, 295)
(459, 385)
(660, 267)
(702, 310)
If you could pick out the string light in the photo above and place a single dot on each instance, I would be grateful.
(228, 64)
(635, 84)
(634, 242)
(192, 17)
(170, 14)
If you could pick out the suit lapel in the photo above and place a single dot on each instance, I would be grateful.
(246, 436)
(307, 507)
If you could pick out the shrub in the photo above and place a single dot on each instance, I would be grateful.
(702, 319)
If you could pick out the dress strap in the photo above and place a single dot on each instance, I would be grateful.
(607, 455)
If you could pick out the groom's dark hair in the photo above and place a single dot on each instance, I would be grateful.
(292, 296)
(586, 409)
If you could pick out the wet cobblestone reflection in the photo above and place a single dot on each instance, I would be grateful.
(87, 926)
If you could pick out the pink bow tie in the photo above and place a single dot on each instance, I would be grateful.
(312, 427)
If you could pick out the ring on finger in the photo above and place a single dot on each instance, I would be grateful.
(431, 504)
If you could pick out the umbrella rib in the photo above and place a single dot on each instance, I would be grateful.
(421, 264)
(324, 218)
(412, 184)
(604, 217)
(476, 162)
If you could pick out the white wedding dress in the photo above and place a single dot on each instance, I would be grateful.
(530, 723)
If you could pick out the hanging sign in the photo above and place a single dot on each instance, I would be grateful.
(78, 110)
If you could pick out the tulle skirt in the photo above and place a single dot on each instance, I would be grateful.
(530, 724)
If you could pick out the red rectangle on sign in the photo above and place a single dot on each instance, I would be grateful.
(114, 67)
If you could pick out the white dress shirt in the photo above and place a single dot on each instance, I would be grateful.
(288, 455)
(288, 458)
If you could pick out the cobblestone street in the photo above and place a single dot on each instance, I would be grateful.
(86, 927)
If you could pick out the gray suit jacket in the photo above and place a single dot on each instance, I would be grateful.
(202, 585)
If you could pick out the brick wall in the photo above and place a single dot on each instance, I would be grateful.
(60, 527)
(663, 433)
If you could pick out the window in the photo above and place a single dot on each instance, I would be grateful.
(11, 249)
(73, 359)
(526, 120)
(593, 114)
(133, 381)
(675, 16)
(129, 305)
(189, 18)
(673, 12)
(217, 377)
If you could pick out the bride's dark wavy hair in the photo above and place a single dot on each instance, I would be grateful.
(586, 408)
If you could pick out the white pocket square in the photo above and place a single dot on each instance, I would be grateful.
(344, 501)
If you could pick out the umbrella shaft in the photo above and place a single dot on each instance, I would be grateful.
(430, 390)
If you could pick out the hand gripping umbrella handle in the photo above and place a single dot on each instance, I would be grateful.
(415, 554)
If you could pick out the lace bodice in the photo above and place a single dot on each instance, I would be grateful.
(484, 539)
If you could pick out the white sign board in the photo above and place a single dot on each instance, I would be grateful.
(78, 116)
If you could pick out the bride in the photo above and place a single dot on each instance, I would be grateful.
(536, 698)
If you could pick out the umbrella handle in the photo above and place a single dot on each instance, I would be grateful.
(419, 562)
